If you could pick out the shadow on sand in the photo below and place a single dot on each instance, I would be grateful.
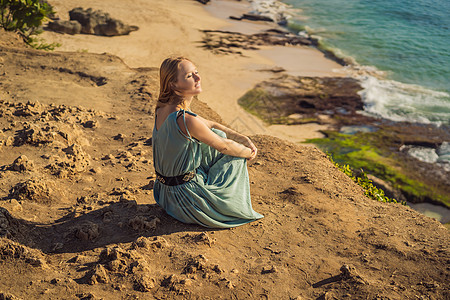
(119, 222)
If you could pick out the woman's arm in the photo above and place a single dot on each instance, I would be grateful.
(231, 134)
(200, 129)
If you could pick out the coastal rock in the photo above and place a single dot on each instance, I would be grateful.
(64, 26)
(256, 17)
(225, 42)
(99, 23)
(277, 100)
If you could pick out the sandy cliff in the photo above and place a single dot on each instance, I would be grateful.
(78, 219)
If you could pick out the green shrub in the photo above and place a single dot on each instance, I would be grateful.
(370, 190)
(25, 17)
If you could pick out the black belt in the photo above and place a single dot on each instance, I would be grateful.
(175, 180)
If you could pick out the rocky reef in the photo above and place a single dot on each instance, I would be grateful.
(375, 145)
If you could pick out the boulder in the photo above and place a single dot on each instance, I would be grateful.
(99, 23)
(70, 27)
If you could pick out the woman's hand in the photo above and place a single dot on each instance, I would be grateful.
(249, 144)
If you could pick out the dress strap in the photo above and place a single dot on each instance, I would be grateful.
(183, 112)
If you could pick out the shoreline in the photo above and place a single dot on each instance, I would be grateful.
(223, 86)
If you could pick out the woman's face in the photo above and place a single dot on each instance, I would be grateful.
(188, 79)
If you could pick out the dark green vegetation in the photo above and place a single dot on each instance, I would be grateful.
(26, 18)
(372, 152)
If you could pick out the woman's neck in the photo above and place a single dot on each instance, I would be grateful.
(186, 104)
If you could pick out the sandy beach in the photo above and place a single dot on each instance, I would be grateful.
(173, 27)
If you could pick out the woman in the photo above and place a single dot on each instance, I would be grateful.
(200, 165)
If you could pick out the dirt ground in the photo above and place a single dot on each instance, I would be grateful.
(78, 219)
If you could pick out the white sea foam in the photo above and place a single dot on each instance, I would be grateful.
(404, 102)
(439, 156)
(444, 152)
(274, 9)
(424, 154)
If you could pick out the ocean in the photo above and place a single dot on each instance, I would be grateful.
(406, 41)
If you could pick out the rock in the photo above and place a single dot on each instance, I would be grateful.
(328, 296)
(275, 100)
(202, 238)
(97, 275)
(96, 170)
(7, 296)
(86, 296)
(203, 1)
(195, 264)
(256, 17)
(63, 26)
(142, 223)
(34, 135)
(119, 137)
(108, 216)
(144, 283)
(235, 18)
(87, 232)
(274, 70)
(9, 141)
(156, 243)
(99, 23)
(5, 222)
(226, 41)
(79, 259)
(267, 270)
(34, 189)
(28, 109)
(75, 161)
(108, 157)
(169, 280)
(22, 163)
(218, 269)
(349, 272)
(12, 250)
(90, 124)
(15, 205)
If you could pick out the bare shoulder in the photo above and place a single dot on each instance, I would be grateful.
(193, 123)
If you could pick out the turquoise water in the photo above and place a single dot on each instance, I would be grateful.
(408, 40)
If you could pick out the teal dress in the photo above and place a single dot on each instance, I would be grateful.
(219, 194)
